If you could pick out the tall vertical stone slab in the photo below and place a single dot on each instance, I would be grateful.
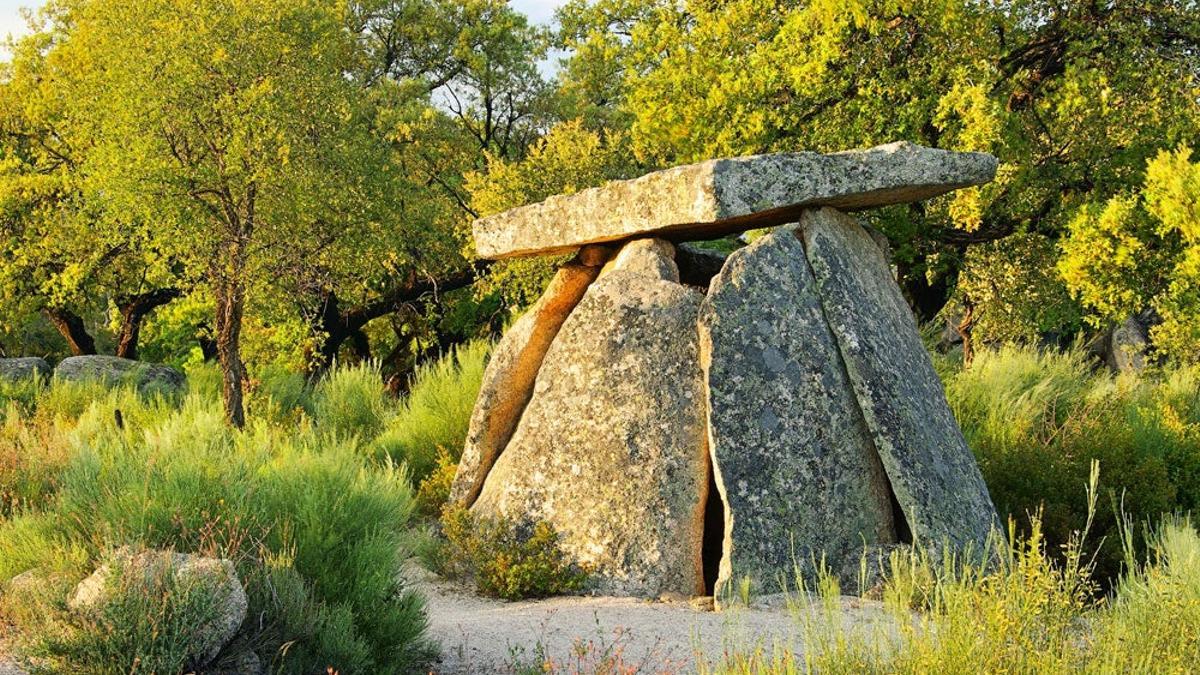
(610, 450)
(510, 374)
(931, 470)
(795, 464)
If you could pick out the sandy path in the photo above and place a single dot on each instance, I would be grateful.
(479, 635)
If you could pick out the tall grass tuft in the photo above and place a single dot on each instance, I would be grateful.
(351, 400)
(435, 415)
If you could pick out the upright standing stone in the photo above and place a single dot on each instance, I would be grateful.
(932, 471)
(611, 449)
(509, 377)
(793, 459)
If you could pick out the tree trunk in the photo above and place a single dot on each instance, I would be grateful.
(134, 311)
(70, 325)
(964, 331)
(230, 292)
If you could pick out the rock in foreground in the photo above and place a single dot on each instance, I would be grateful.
(931, 470)
(211, 576)
(797, 468)
(724, 196)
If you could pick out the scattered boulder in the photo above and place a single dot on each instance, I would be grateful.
(610, 450)
(509, 377)
(795, 464)
(147, 377)
(726, 196)
(931, 470)
(1128, 346)
(24, 368)
(216, 576)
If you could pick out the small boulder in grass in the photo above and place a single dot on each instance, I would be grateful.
(24, 368)
(214, 576)
(147, 377)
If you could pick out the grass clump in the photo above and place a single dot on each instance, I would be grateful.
(506, 559)
(352, 401)
(435, 415)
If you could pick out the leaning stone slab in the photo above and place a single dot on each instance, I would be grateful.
(792, 456)
(611, 449)
(931, 470)
(147, 377)
(24, 368)
(724, 196)
(509, 377)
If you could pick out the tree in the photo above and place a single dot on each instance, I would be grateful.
(53, 257)
(1073, 97)
(1141, 250)
(228, 133)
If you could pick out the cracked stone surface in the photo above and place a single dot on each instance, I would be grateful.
(793, 458)
(611, 448)
(931, 470)
(725, 196)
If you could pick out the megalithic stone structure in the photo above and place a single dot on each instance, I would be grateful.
(681, 441)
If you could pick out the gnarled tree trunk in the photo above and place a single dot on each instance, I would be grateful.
(70, 325)
(230, 295)
(134, 310)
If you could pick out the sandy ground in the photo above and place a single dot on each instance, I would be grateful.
(577, 634)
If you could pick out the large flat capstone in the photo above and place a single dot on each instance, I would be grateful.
(931, 470)
(610, 449)
(793, 460)
(723, 196)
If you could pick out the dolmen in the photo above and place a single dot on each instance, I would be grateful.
(689, 440)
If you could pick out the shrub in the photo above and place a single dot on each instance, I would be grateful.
(1036, 420)
(434, 492)
(506, 559)
(437, 411)
(352, 400)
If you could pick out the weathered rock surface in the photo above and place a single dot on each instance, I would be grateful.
(611, 449)
(724, 196)
(147, 377)
(216, 577)
(931, 470)
(794, 461)
(509, 377)
(24, 368)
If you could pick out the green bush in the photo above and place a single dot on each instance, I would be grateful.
(506, 559)
(1036, 420)
(317, 532)
(352, 400)
(437, 410)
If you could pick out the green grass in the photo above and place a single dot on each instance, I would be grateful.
(435, 415)
(316, 528)
(1026, 612)
(1036, 420)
